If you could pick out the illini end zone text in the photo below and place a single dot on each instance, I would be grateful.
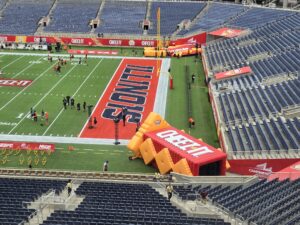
(14, 83)
(131, 91)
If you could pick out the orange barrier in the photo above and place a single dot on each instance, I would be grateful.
(173, 51)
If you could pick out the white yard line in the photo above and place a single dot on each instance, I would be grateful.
(45, 95)
(101, 96)
(62, 140)
(13, 62)
(50, 125)
(42, 74)
(30, 65)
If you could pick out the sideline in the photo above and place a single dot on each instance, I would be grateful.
(62, 140)
(76, 55)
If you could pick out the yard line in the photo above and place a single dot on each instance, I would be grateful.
(50, 125)
(13, 62)
(101, 96)
(42, 74)
(30, 65)
(45, 95)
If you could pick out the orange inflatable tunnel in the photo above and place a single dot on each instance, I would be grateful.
(153, 122)
(153, 52)
(183, 50)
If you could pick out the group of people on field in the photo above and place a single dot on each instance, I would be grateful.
(44, 116)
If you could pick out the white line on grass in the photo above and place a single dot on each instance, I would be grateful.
(101, 96)
(45, 95)
(50, 125)
(42, 74)
(30, 65)
(13, 62)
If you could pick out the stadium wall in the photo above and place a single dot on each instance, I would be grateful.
(118, 42)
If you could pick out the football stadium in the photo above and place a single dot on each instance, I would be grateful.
(149, 112)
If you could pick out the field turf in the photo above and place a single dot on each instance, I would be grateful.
(83, 82)
(86, 83)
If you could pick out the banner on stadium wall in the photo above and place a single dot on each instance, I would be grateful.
(226, 32)
(7, 38)
(292, 172)
(94, 41)
(127, 42)
(38, 39)
(198, 38)
(92, 52)
(231, 73)
(260, 167)
(183, 146)
(14, 83)
(21, 39)
(26, 146)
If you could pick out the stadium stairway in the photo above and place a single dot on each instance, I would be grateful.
(102, 3)
(196, 208)
(48, 203)
(194, 20)
(192, 208)
(4, 7)
(40, 29)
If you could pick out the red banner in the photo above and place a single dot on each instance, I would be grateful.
(292, 172)
(231, 73)
(199, 39)
(127, 42)
(182, 145)
(26, 146)
(226, 32)
(260, 167)
(7, 38)
(193, 40)
(14, 83)
(92, 52)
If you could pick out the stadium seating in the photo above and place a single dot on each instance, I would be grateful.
(73, 16)
(15, 192)
(117, 17)
(122, 17)
(273, 134)
(23, 17)
(215, 16)
(256, 16)
(172, 13)
(251, 105)
(120, 203)
(263, 202)
(258, 101)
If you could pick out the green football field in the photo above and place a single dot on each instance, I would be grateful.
(86, 83)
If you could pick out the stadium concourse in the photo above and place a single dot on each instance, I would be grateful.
(251, 60)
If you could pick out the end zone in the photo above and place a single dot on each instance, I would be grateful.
(134, 85)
